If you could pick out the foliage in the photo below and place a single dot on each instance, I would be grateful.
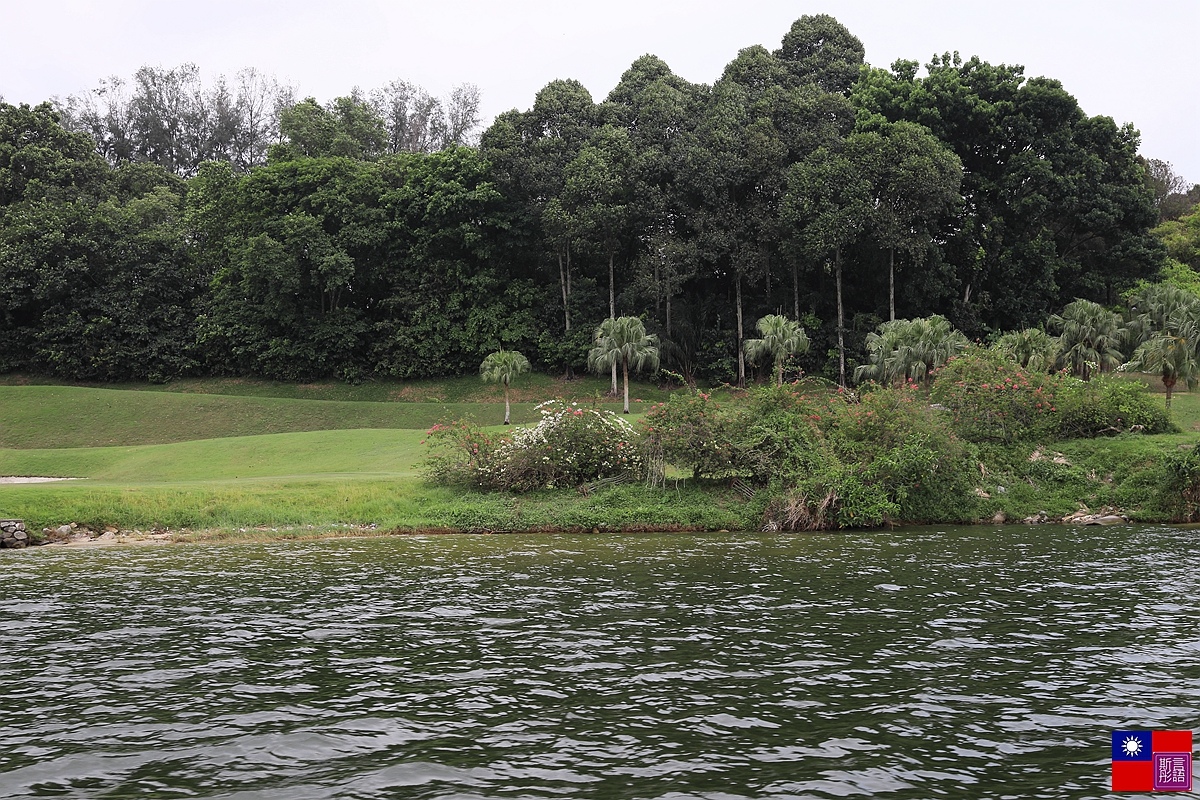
(1108, 405)
(829, 460)
(991, 398)
(570, 446)
(1089, 338)
(693, 431)
(1032, 348)
(909, 349)
(1182, 485)
(1173, 353)
(781, 339)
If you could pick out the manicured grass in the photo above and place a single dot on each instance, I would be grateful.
(357, 452)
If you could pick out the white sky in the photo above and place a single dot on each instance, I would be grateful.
(1133, 60)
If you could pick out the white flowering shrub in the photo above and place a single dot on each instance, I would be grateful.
(570, 446)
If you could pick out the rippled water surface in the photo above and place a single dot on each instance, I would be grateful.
(907, 664)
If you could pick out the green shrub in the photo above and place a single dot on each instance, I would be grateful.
(1181, 490)
(692, 431)
(568, 447)
(1107, 405)
(993, 399)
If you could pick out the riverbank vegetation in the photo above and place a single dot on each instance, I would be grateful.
(720, 459)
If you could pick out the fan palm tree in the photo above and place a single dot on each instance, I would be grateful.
(781, 338)
(910, 348)
(1173, 353)
(502, 367)
(1032, 348)
(1090, 338)
(623, 341)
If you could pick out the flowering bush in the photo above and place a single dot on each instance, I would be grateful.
(993, 399)
(568, 447)
(691, 430)
(459, 453)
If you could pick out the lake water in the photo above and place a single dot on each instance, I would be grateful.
(920, 663)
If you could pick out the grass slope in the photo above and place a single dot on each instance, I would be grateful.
(53, 417)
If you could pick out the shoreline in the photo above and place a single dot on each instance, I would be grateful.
(262, 534)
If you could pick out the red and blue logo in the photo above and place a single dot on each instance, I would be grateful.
(1151, 761)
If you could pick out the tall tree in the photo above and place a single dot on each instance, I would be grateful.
(916, 182)
(827, 208)
(820, 50)
(623, 341)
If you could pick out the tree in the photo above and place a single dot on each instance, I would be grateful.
(916, 182)
(623, 341)
(1089, 339)
(828, 206)
(1174, 353)
(348, 127)
(1055, 201)
(781, 339)
(820, 50)
(1032, 348)
(912, 349)
(502, 367)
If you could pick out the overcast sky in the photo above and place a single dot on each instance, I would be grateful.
(1133, 60)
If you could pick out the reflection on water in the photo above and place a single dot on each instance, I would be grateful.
(909, 664)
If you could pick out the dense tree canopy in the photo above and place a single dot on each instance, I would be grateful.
(160, 226)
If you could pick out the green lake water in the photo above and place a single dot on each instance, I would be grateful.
(919, 663)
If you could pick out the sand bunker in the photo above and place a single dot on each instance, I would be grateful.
(27, 479)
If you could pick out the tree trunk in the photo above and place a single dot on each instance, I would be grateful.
(779, 371)
(741, 376)
(612, 314)
(1169, 383)
(507, 407)
(566, 296)
(841, 323)
(795, 292)
(564, 283)
(625, 371)
(668, 316)
(612, 289)
(892, 284)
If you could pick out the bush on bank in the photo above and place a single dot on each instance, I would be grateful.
(569, 446)
(993, 399)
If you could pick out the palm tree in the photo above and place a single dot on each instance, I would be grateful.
(781, 338)
(910, 348)
(1172, 353)
(1090, 338)
(501, 367)
(623, 341)
(1032, 348)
